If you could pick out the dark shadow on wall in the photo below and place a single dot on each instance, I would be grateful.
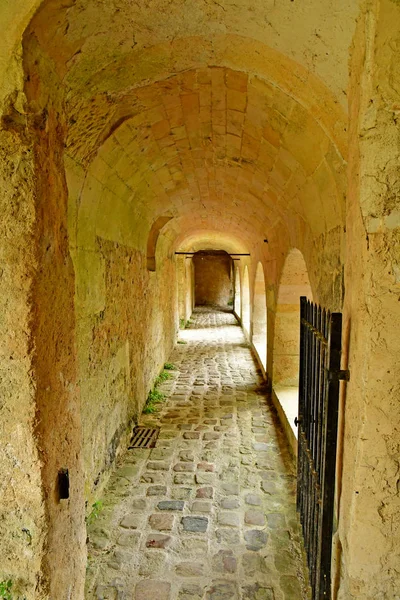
(213, 279)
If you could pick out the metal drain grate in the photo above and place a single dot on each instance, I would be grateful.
(144, 437)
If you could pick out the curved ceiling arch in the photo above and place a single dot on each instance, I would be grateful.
(218, 140)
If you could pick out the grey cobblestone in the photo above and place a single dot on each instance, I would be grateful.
(209, 513)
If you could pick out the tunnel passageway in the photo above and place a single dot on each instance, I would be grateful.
(209, 513)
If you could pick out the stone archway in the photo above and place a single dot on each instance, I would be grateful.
(294, 283)
(259, 336)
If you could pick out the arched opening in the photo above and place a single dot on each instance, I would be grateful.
(246, 302)
(285, 375)
(260, 316)
(213, 278)
(238, 299)
(152, 241)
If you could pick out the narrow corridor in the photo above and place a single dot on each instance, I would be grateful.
(210, 512)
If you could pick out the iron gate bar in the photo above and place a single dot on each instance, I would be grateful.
(320, 349)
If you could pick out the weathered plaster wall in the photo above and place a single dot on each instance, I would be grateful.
(125, 313)
(369, 504)
(22, 523)
(212, 279)
(58, 422)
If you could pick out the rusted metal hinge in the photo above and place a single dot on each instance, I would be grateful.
(341, 374)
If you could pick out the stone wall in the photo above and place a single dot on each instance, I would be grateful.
(213, 285)
(126, 319)
(22, 531)
(368, 538)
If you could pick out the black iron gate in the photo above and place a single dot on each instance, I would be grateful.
(320, 349)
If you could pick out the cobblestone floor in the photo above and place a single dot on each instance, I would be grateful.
(209, 514)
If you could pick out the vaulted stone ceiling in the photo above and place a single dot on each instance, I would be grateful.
(206, 110)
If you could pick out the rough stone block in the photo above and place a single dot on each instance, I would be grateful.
(158, 540)
(254, 517)
(205, 492)
(149, 589)
(196, 524)
(161, 522)
(189, 569)
(171, 505)
(255, 539)
(203, 507)
(229, 519)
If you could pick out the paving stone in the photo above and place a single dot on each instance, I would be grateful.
(254, 517)
(171, 505)
(252, 499)
(138, 504)
(230, 503)
(184, 479)
(184, 466)
(130, 540)
(205, 492)
(161, 453)
(230, 489)
(202, 478)
(204, 466)
(211, 436)
(149, 589)
(153, 477)
(181, 493)
(197, 524)
(227, 536)
(152, 563)
(255, 539)
(222, 590)
(229, 519)
(131, 521)
(217, 420)
(224, 562)
(189, 569)
(158, 540)
(190, 592)
(191, 435)
(203, 507)
(186, 456)
(161, 522)
(198, 546)
(156, 490)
